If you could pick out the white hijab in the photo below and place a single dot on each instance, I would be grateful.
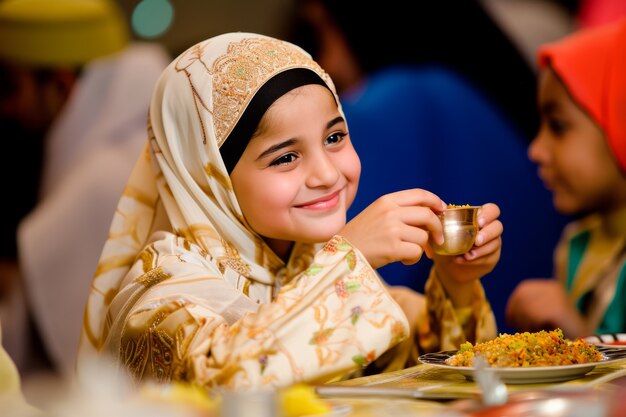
(181, 183)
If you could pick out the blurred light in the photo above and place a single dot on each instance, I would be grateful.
(152, 18)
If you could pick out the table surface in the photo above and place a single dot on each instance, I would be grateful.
(610, 378)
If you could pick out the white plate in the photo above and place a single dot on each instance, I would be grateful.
(612, 339)
(530, 375)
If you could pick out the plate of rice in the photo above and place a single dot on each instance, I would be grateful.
(528, 358)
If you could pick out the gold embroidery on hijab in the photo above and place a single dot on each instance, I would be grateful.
(243, 70)
(212, 171)
(113, 263)
(147, 259)
(232, 260)
(152, 277)
(200, 230)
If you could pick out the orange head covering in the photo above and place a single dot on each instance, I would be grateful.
(592, 65)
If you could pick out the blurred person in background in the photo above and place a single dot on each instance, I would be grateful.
(580, 151)
(443, 102)
(461, 36)
(74, 95)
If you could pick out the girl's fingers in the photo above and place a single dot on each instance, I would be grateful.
(421, 217)
(488, 233)
(418, 197)
(410, 253)
(415, 235)
(487, 214)
(488, 249)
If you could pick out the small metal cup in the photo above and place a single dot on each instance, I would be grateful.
(460, 226)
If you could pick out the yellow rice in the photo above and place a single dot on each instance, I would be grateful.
(544, 348)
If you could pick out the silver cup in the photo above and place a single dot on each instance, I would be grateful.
(460, 226)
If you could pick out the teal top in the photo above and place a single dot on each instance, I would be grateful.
(580, 251)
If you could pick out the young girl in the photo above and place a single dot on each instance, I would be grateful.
(229, 260)
(581, 153)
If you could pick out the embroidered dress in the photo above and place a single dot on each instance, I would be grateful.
(185, 290)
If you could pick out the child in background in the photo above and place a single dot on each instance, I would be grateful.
(581, 153)
(229, 260)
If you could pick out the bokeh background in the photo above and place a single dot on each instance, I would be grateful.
(178, 24)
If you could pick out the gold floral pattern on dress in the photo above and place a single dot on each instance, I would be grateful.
(147, 259)
(301, 258)
(246, 287)
(332, 246)
(364, 360)
(134, 355)
(355, 313)
(154, 348)
(314, 269)
(341, 289)
(232, 260)
(136, 349)
(398, 333)
(446, 332)
(161, 351)
(182, 338)
(152, 277)
(320, 337)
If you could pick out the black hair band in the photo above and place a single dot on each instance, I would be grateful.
(277, 86)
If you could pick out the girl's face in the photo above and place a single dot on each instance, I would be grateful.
(574, 158)
(299, 173)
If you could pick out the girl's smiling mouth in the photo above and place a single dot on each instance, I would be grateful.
(327, 202)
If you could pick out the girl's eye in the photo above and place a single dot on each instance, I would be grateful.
(557, 126)
(335, 138)
(284, 159)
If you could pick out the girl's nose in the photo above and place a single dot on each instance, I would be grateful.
(537, 148)
(322, 172)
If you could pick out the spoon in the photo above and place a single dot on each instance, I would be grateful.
(493, 390)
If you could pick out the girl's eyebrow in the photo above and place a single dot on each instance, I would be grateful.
(289, 142)
(276, 147)
(335, 121)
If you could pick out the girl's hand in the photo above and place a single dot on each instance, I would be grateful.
(396, 226)
(458, 273)
(542, 304)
